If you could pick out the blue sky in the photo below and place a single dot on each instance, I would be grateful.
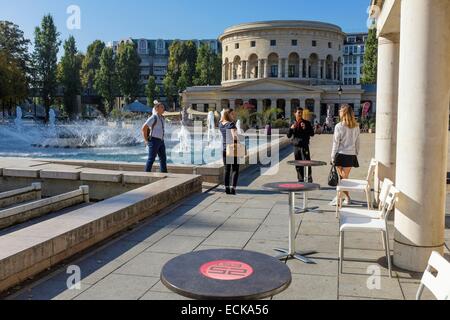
(109, 20)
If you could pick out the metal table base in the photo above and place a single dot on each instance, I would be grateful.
(291, 253)
(305, 207)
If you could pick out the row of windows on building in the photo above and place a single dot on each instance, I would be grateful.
(350, 81)
(355, 49)
(353, 59)
(352, 70)
(273, 43)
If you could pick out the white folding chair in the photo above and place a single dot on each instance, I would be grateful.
(368, 224)
(439, 285)
(351, 185)
(365, 213)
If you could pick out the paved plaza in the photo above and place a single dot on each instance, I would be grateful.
(129, 266)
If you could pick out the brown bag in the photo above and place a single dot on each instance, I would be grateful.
(236, 150)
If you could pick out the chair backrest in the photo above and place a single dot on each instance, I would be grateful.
(439, 285)
(372, 168)
(391, 200)
(385, 187)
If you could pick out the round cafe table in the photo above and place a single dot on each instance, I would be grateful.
(292, 188)
(307, 164)
(226, 274)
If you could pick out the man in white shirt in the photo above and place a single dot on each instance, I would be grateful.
(153, 132)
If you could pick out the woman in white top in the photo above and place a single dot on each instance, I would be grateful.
(346, 144)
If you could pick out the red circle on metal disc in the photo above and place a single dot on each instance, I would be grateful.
(291, 186)
(226, 270)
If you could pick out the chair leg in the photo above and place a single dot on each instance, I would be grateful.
(341, 251)
(388, 253)
(383, 239)
(368, 198)
(337, 204)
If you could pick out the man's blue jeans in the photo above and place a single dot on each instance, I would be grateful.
(156, 147)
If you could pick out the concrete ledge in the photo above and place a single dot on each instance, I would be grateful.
(101, 175)
(21, 172)
(34, 192)
(31, 250)
(23, 213)
(60, 174)
(142, 177)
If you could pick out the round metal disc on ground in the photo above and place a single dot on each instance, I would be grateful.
(291, 187)
(307, 163)
(226, 275)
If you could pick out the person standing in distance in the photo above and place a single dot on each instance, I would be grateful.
(300, 134)
(153, 132)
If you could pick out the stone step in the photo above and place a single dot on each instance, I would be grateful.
(13, 197)
(31, 250)
(24, 212)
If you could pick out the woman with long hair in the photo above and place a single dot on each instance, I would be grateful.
(346, 146)
(229, 132)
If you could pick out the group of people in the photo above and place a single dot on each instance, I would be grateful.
(344, 154)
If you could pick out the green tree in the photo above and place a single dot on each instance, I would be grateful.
(13, 85)
(105, 82)
(370, 59)
(208, 67)
(91, 64)
(14, 64)
(46, 47)
(182, 63)
(14, 44)
(170, 89)
(69, 76)
(150, 91)
(128, 70)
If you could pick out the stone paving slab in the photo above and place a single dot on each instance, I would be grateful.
(119, 287)
(254, 221)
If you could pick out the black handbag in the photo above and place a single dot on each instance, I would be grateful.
(333, 178)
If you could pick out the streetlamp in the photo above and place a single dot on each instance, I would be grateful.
(340, 91)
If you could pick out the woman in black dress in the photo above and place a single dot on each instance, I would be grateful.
(228, 129)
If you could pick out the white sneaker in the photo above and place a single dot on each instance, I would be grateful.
(347, 202)
(333, 203)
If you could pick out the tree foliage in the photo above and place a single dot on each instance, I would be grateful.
(370, 59)
(208, 67)
(170, 89)
(46, 47)
(128, 70)
(105, 81)
(91, 64)
(150, 91)
(14, 63)
(182, 63)
(69, 76)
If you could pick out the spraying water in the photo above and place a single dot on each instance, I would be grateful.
(18, 120)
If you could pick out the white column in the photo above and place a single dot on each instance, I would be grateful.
(317, 102)
(280, 67)
(247, 70)
(266, 68)
(307, 68)
(259, 68)
(260, 105)
(286, 68)
(288, 108)
(232, 103)
(324, 66)
(423, 113)
(387, 101)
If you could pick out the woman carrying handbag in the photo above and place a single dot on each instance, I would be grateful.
(346, 146)
(232, 150)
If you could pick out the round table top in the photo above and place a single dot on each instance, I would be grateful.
(291, 186)
(307, 163)
(226, 274)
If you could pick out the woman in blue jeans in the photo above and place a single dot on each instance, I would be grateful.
(153, 132)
